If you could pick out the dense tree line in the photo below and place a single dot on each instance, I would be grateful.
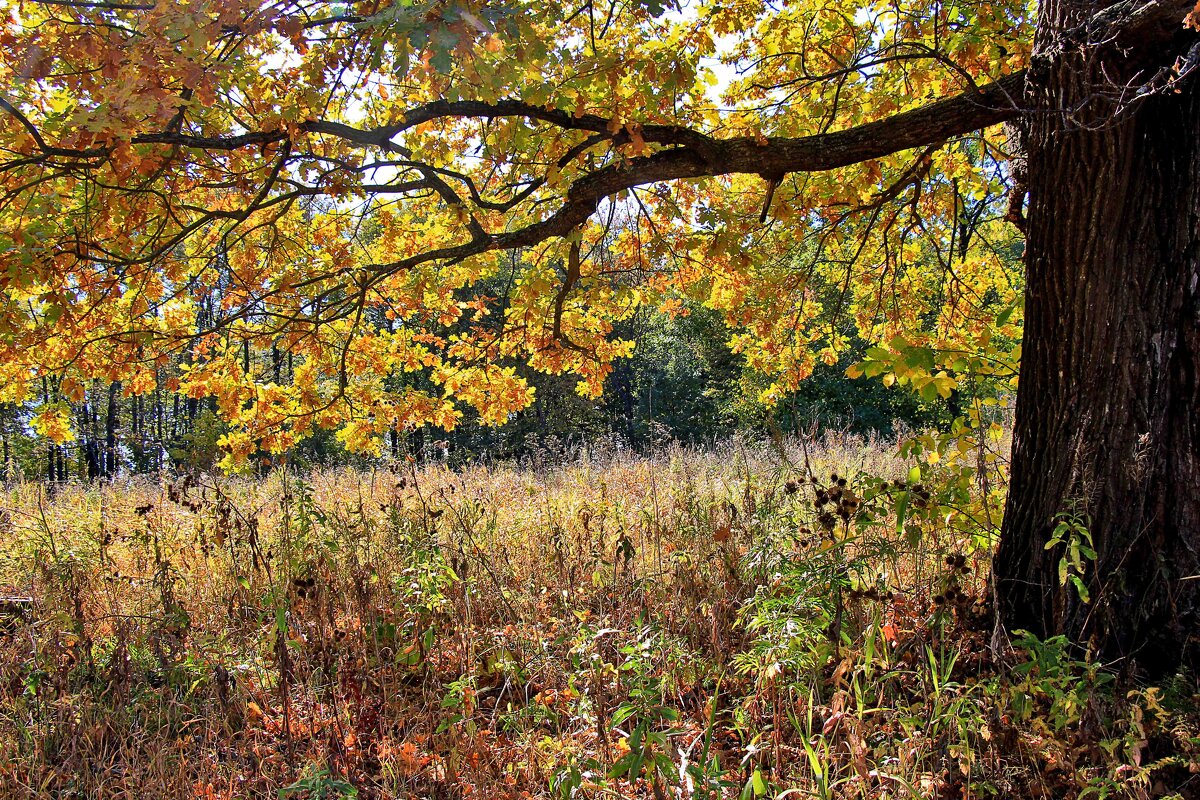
(682, 383)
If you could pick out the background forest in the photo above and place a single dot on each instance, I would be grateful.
(682, 383)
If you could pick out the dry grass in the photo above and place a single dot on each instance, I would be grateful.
(678, 625)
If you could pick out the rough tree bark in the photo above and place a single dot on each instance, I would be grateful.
(1107, 421)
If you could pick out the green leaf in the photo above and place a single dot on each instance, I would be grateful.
(442, 60)
(901, 511)
(635, 766)
(656, 8)
(622, 765)
(760, 786)
(623, 712)
(920, 358)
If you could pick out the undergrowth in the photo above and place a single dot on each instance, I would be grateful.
(759, 621)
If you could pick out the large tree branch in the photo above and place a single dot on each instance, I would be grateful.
(935, 122)
(1128, 25)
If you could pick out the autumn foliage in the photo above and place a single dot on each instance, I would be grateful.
(410, 200)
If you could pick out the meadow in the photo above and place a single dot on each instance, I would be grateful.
(784, 619)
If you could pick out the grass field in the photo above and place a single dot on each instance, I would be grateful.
(749, 622)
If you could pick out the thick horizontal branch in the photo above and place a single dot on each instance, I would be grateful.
(1129, 27)
(1120, 27)
(935, 122)
(1127, 24)
(477, 109)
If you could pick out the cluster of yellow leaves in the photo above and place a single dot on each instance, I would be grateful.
(285, 276)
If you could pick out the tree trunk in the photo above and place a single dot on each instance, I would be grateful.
(7, 448)
(137, 441)
(1107, 421)
(157, 427)
(88, 447)
(111, 423)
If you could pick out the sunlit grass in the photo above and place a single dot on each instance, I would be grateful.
(691, 623)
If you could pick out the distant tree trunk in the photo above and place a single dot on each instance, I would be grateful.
(539, 409)
(418, 444)
(178, 426)
(622, 380)
(56, 466)
(88, 447)
(159, 431)
(94, 437)
(137, 430)
(1108, 414)
(7, 444)
(111, 423)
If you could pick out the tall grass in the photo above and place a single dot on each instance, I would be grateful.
(734, 622)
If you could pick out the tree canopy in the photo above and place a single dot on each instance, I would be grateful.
(409, 198)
